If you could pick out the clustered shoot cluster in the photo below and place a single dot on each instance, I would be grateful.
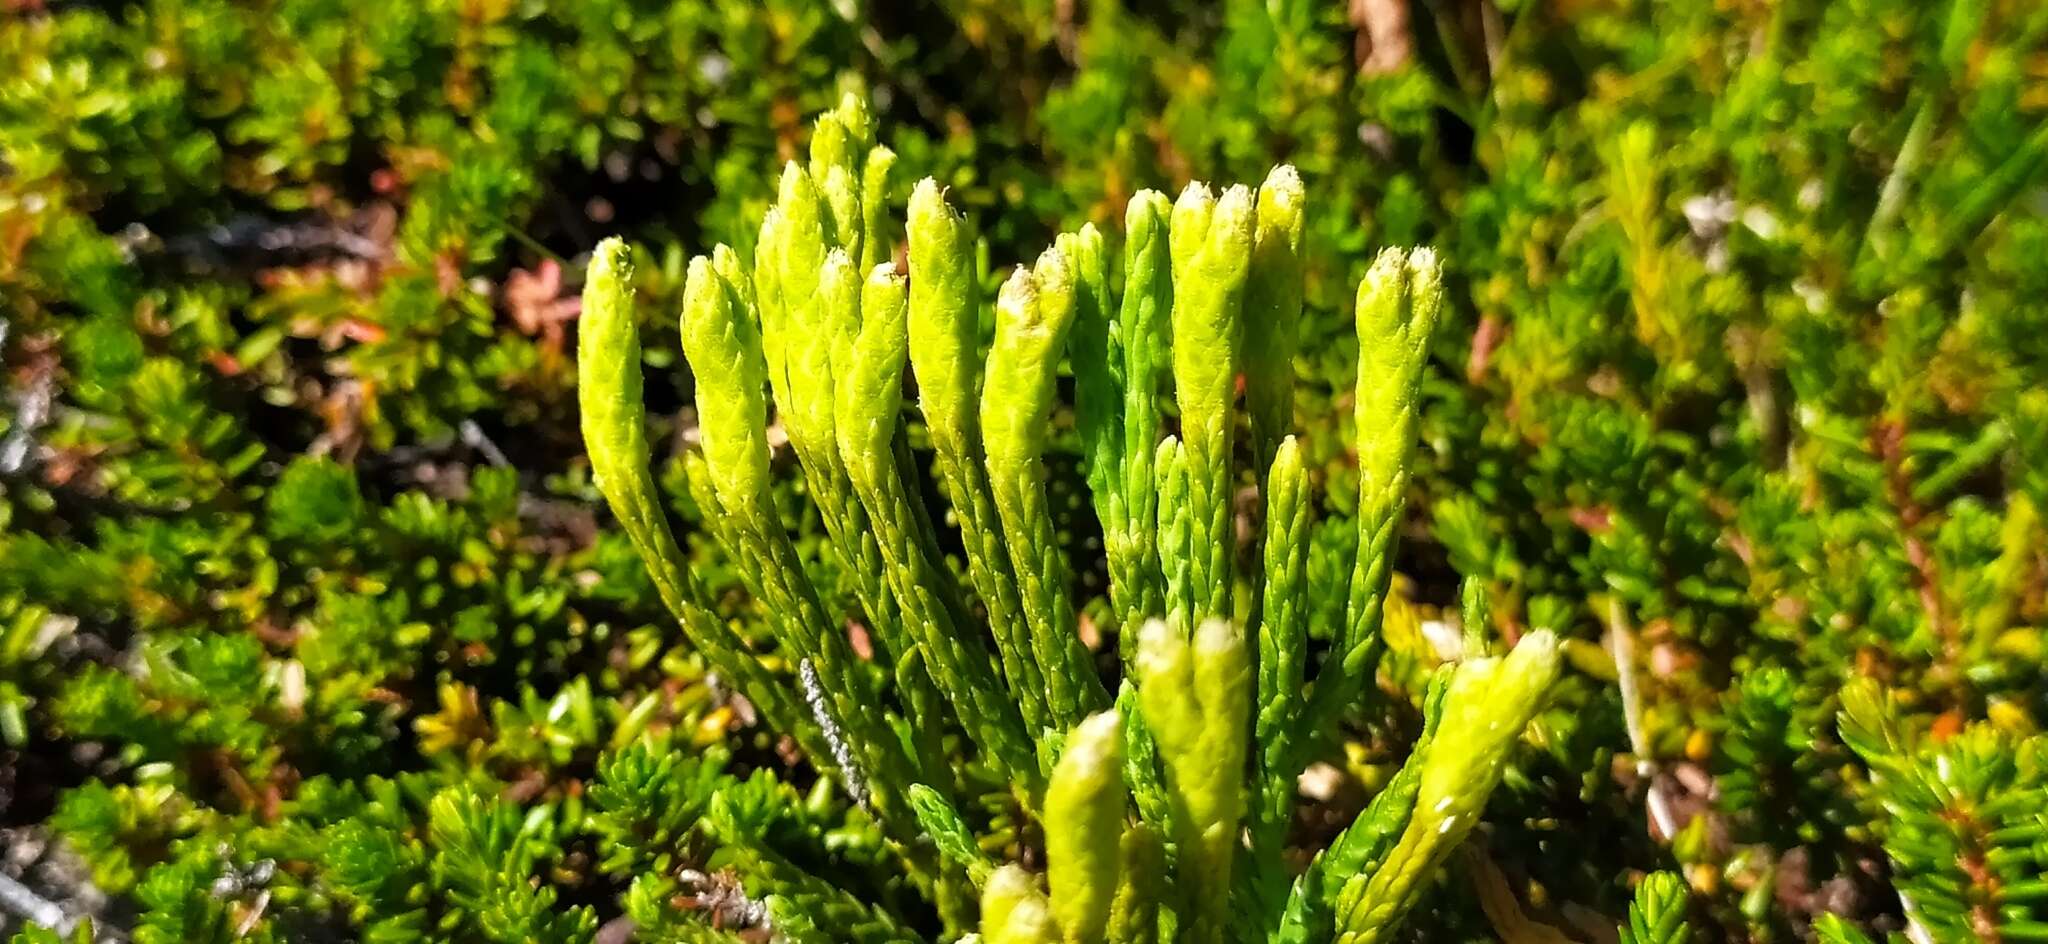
(1162, 800)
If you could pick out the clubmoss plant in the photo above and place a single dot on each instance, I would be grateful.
(1159, 820)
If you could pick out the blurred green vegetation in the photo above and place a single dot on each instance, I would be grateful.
(1742, 388)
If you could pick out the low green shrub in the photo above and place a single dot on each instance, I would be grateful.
(1734, 389)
